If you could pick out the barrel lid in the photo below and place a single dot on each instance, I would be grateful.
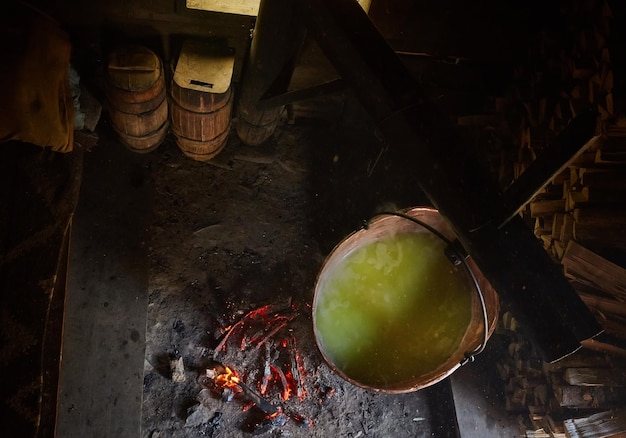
(204, 67)
(133, 68)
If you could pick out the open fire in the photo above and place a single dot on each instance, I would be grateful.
(227, 379)
(261, 336)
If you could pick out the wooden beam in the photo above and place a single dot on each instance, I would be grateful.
(278, 100)
(240, 7)
(588, 267)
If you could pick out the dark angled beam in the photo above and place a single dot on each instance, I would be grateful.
(510, 256)
(302, 94)
(559, 154)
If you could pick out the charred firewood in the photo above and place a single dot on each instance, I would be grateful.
(270, 423)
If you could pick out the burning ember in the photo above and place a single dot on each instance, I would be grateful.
(227, 382)
(227, 379)
(262, 336)
(282, 364)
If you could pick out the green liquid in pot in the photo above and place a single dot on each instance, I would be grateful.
(392, 310)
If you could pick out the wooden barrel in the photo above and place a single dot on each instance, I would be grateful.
(200, 120)
(137, 98)
(139, 124)
(146, 143)
(136, 102)
(254, 135)
(255, 126)
(203, 150)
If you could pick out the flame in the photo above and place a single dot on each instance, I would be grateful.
(279, 411)
(291, 384)
(227, 379)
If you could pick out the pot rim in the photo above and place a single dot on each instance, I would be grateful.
(379, 227)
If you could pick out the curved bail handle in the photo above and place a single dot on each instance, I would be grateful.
(455, 252)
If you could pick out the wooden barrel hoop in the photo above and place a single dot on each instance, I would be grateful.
(139, 125)
(198, 101)
(254, 135)
(203, 150)
(136, 102)
(146, 143)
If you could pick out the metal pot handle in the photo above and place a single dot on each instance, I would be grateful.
(457, 255)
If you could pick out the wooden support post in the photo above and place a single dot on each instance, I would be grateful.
(510, 257)
(276, 39)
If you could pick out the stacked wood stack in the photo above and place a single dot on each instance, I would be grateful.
(546, 396)
(605, 424)
(578, 216)
(573, 67)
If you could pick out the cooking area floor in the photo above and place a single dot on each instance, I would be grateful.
(182, 250)
(183, 272)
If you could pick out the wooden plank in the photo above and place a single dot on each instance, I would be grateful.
(592, 196)
(557, 224)
(579, 262)
(559, 249)
(576, 199)
(610, 157)
(604, 305)
(613, 325)
(605, 179)
(567, 229)
(595, 376)
(585, 159)
(603, 347)
(547, 207)
(609, 195)
(541, 433)
(609, 236)
(581, 358)
(104, 345)
(53, 340)
(588, 397)
(240, 7)
(609, 424)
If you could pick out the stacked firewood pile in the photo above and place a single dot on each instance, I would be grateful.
(546, 397)
(579, 216)
(574, 67)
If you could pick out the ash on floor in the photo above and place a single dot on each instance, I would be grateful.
(250, 229)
